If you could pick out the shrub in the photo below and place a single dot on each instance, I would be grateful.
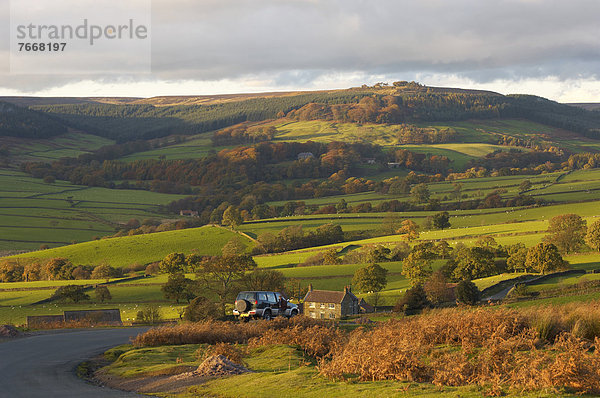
(70, 292)
(467, 293)
(438, 291)
(105, 271)
(81, 272)
(413, 301)
(201, 309)
(152, 269)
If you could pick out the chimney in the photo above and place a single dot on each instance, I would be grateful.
(310, 287)
(346, 289)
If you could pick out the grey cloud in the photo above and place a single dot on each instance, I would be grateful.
(298, 41)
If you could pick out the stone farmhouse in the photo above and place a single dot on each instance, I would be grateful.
(328, 304)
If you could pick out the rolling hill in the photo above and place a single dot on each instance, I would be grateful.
(143, 249)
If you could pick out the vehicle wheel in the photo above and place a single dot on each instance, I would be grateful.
(293, 313)
(267, 315)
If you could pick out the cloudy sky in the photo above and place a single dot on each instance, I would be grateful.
(545, 47)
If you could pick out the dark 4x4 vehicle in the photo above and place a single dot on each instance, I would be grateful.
(260, 304)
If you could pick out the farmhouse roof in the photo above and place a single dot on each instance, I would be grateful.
(366, 306)
(328, 296)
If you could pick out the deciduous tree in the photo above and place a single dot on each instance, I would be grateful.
(264, 279)
(517, 259)
(232, 217)
(567, 232)
(102, 294)
(441, 220)
(474, 262)
(544, 257)
(593, 235)
(467, 292)
(173, 263)
(371, 278)
(416, 267)
(179, 288)
(420, 193)
(219, 274)
(74, 293)
(409, 229)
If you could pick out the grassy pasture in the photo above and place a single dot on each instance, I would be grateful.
(17, 314)
(71, 144)
(194, 147)
(473, 188)
(142, 249)
(33, 212)
(385, 135)
(502, 220)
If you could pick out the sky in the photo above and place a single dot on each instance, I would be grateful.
(549, 48)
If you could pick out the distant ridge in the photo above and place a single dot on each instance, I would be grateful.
(176, 100)
(590, 106)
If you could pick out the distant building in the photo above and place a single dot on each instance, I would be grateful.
(370, 160)
(365, 307)
(393, 165)
(328, 304)
(305, 155)
(189, 213)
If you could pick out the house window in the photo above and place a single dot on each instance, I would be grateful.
(313, 315)
(331, 315)
(322, 305)
(322, 315)
(312, 305)
(332, 306)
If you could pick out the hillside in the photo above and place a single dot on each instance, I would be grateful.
(143, 249)
(133, 118)
(16, 121)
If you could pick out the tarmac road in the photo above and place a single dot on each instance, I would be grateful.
(44, 365)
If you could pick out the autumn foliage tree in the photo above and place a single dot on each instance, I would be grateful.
(409, 229)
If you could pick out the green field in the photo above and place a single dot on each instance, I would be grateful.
(33, 213)
(44, 150)
(194, 147)
(142, 249)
